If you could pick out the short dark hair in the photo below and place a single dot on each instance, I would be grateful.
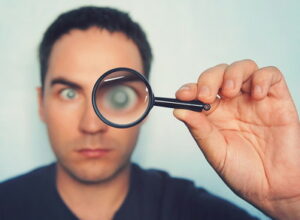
(83, 18)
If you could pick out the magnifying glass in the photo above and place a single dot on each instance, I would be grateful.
(123, 97)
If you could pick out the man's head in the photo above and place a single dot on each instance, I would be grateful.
(83, 18)
(76, 49)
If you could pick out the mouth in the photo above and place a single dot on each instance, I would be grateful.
(93, 153)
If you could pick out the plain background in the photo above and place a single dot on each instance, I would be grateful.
(187, 37)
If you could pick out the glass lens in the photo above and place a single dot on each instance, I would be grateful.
(122, 97)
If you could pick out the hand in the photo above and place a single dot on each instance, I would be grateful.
(251, 135)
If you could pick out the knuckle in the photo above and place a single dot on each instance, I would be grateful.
(247, 62)
(272, 69)
(208, 71)
(189, 85)
(269, 71)
(204, 76)
(250, 63)
(223, 65)
(265, 74)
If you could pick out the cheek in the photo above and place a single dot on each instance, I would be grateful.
(60, 113)
(128, 137)
(61, 121)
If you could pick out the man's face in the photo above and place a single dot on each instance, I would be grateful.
(85, 147)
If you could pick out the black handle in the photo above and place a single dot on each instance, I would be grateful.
(175, 103)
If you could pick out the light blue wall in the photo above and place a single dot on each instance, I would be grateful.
(187, 37)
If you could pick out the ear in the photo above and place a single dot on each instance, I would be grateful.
(40, 97)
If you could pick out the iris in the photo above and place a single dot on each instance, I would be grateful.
(120, 97)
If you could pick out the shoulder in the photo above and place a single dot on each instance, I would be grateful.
(155, 176)
(32, 196)
(189, 201)
(26, 183)
(168, 185)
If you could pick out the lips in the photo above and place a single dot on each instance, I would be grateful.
(93, 153)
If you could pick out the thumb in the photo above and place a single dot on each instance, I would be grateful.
(209, 139)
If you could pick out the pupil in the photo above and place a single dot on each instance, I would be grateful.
(70, 94)
(119, 99)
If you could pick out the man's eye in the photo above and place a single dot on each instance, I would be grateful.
(68, 93)
(120, 98)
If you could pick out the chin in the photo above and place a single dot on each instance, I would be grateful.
(95, 173)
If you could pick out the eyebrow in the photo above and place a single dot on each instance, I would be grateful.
(66, 82)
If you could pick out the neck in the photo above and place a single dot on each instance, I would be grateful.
(93, 201)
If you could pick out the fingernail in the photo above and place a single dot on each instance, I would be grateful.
(229, 84)
(204, 91)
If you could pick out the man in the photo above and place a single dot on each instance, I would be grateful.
(250, 136)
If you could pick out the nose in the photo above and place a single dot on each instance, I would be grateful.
(89, 122)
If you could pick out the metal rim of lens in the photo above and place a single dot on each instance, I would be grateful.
(143, 79)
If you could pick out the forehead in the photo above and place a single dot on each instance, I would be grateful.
(85, 54)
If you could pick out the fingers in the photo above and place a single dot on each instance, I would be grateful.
(230, 81)
(235, 76)
(234, 83)
(262, 81)
(187, 92)
(242, 78)
(206, 89)
(209, 83)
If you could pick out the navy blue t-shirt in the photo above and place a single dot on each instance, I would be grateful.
(153, 195)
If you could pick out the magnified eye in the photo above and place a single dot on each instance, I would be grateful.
(120, 97)
(68, 93)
